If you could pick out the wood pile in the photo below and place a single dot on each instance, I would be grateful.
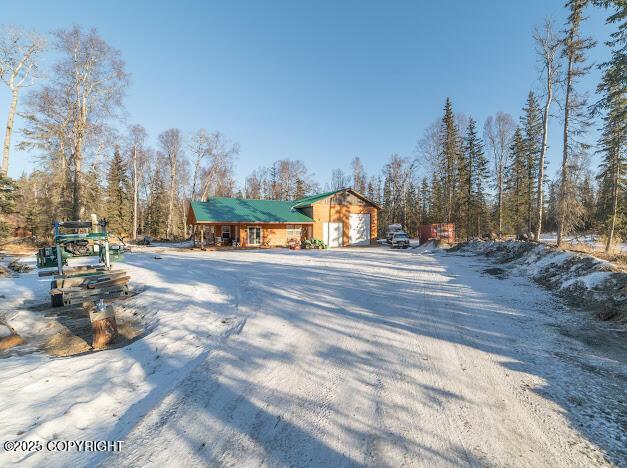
(83, 284)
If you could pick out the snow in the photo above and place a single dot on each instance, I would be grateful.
(589, 240)
(41, 394)
(537, 263)
(336, 357)
(590, 280)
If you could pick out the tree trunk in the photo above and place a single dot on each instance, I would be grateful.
(479, 225)
(530, 207)
(500, 197)
(103, 324)
(616, 178)
(76, 187)
(561, 217)
(545, 133)
(171, 202)
(184, 218)
(9, 131)
(135, 192)
(470, 201)
(195, 179)
(78, 161)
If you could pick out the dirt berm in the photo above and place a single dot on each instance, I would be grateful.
(580, 279)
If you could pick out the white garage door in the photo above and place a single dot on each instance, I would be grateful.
(332, 234)
(359, 229)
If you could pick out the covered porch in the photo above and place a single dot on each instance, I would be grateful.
(251, 235)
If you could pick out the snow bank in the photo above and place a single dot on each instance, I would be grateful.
(580, 279)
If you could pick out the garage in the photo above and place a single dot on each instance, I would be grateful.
(359, 229)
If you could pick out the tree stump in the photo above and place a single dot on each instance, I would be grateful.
(103, 325)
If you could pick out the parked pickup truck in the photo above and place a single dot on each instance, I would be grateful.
(392, 229)
(400, 240)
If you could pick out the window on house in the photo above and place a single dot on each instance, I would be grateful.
(226, 232)
(293, 231)
(254, 235)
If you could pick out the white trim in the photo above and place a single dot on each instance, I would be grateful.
(293, 231)
(248, 228)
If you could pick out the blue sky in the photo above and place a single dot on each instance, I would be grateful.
(318, 81)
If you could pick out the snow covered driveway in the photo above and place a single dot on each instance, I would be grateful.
(350, 357)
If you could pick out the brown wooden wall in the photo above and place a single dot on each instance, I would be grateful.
(272, 235)
(325, 212)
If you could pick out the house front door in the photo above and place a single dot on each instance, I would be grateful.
(254, 235)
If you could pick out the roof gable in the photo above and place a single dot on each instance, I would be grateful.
(221, 209)
(308, 201)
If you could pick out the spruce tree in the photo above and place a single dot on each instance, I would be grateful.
(531, 122)
(613, 106)
(516, 183)
(426, 201)
(588, 203)
(413, 209)
(474, 172)
(449, 160)
(575, 47)
(481, 175)
(8, 196)
(157, 209)
(118, 212)
(612, 172)
(437, 210)
(93, 191)
(300, 189)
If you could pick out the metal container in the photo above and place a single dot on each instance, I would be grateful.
(443, 231)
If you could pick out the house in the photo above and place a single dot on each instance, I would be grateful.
(340, 218)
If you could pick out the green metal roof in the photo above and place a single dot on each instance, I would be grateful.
(239, 210)
(303, 202)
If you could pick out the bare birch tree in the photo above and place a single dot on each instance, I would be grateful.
(19, 55)
(217, 176)
(200, 148)
(137, 137)
(498, 132)
(171, 143)
(257, 185)
(359, 175)
(92, 80)
(339, 179)
(548, 46)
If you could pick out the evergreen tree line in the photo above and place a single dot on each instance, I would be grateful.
(489, 180)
